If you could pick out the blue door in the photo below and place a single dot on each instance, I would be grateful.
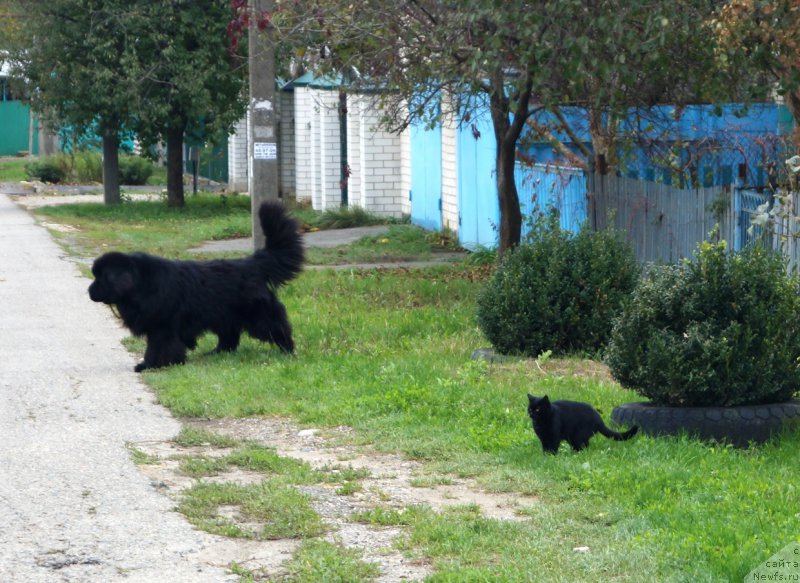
(426, 177)
(478, 207)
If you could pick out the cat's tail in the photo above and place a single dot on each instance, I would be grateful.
(619, 436)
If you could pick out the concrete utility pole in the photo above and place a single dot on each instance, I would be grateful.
(262, 142)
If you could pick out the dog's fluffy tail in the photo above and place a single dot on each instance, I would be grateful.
(282, 257)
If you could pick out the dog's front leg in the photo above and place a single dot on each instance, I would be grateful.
(163, 349)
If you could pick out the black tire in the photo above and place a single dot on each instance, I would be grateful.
(739, 426)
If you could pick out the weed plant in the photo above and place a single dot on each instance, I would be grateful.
(323, 561)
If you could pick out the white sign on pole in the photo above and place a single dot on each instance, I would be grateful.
(265, 151)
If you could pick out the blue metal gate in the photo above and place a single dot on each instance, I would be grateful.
(426, 177)
(745, 203)
(478, 207)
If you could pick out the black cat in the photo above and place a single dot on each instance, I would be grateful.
(568, 421)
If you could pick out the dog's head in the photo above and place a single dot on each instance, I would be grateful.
(115, 278)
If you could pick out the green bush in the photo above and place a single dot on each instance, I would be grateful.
(134, 170)
(558, 292)
(51, 169)
(722, 330)
(88, 166)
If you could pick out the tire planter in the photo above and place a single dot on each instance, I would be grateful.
(736, 425)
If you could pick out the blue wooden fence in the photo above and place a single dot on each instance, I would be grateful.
(543, 187)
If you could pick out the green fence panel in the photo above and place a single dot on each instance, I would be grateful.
(15, 128)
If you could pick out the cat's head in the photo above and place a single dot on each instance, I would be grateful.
(538, 405)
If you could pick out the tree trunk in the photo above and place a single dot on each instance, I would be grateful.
(175, 196)
(510, 214)
(793, 105)
(111, 194)
(506, 136)
(600, 143)
(48, 141)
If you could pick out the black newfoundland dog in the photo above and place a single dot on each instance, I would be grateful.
(172, 303)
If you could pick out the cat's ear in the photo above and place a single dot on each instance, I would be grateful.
(531, 398)
(545, 400)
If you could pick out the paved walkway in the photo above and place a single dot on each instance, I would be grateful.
(327, 238)
(73, 506)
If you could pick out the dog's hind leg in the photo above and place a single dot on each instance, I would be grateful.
(281, 334)
(270, 323)
(227, 340)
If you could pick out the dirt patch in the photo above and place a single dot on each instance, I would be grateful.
(392, 478)
(60, 228)
(391, 481)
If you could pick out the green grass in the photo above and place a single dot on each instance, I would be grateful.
(394, 363)
(399, 243)
(258, 458)
(190, 436)
(338, 218)
(265, 511)
(317, 561)
(140, 457)
(154, 227)
(159, 176)
(13, 169)
(387, 353)
(270, 509)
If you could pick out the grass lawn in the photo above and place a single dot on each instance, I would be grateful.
(159, 176)
(156, 228)
(13, 169)
(387, 353)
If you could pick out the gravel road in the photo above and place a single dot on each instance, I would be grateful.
(73, 507)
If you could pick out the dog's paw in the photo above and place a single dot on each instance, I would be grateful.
(140, 367)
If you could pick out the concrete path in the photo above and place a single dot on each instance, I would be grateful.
(333, 238)
(73, 506)
(327, 238)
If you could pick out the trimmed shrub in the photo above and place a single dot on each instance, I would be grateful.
(51, 169)
(558, 292)
(722, 330)
(134, 170)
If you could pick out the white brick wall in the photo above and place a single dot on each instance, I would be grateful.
(356, 187)
(380, 161)
(310, 157)
(450, 174)
(374, 156)
(237, 158)
(303, 157)
(286, 155)
(327, 149)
